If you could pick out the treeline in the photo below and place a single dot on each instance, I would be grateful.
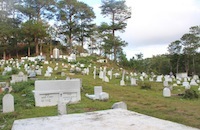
(28, 23)
(183, 56)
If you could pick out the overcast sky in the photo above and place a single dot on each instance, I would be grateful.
(154, 23)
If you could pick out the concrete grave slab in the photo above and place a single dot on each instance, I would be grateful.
(114, 119)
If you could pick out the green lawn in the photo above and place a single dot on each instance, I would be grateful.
(149, 102)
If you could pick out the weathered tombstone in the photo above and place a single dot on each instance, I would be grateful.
(119, 105)
(159, 79)
(47, 92)
(122, 83)
(94, 72)
(186, 85)
(101, 74)
(8, 103)
(193, 83)
(62, 109)
(103, 96)
(133, 82)
(97, 91)
(166, 92)
(165, 84)
(56, 53)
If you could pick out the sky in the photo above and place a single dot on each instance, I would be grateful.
(154, 24)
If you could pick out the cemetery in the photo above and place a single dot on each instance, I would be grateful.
(63, 68)
(80, 90)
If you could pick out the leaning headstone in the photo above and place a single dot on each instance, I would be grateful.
(166, 92)
(122, 83)
(8, 103)
(121, 105)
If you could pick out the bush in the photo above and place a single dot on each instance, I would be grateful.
(190, 94)
(146, 85)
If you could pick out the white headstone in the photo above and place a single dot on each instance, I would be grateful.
(56, 53)
(97, 91)
(166, 92)
(8, 103)
(47, 92)
(133, 82)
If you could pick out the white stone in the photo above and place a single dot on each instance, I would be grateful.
(165, 84)
(121, 105)
(97, 91)
(47, 92)
(166, 92)
(122, 83)
(159, 79)
(8, 103)
(193, 83)
(133, 82)
(103, 96)
(56, 53)
(114, 119)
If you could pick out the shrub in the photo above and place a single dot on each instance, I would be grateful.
(190, 94)
(146, 85)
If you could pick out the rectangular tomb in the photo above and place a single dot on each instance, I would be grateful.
(49, 92)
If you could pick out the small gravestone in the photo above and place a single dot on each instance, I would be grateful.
(62, 109)
(193, 83)
(8, 103)
(97, 91)
(94, 72)
(122, 83)
(133, 82)
(165, 84)
(119, 105)
(166, 92)
(103, 96)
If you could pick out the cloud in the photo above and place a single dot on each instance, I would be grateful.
(156, 23)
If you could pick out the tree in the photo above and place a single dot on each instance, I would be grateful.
(75, 18)
(33, 30)
(85, 27)
(119, 12)
(174, 50)
(191, 43)
(35, 11)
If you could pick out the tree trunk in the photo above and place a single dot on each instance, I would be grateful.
(29, 51)
(177, 65)
(193, 64)
(4, 55)
(113, 33)
(36, 46)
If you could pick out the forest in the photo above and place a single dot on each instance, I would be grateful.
(34, 27)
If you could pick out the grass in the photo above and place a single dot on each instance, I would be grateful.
(146, 101)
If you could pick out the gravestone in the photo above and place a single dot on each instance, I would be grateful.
(8, 103)
(103, 96)
(62, 109)
(19, 78)
(47, 92)
(56, 53)
(165, 84)
(119, 105)
(166, 92)
(97, 91)
(122, 83)
(133, 82)
(159, 79)
(193, 83)
(94, 72)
